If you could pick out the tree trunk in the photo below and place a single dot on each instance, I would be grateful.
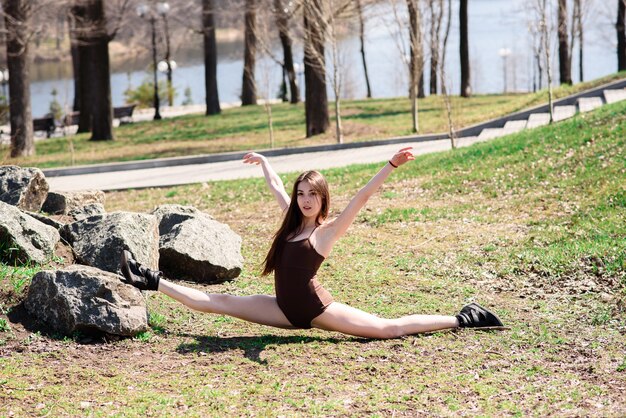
(466, 90)
(82, 65)
(17, 16)
(102, 109)
(546, 50)
(335, 78)
(436, 16)
(316, 99)
(362, 40)
(248, 89)
(579, 24)
(75, 65)
(96, 109)
(287, 44)
(565, 63)
(210, 59)
(416, 63)
(621, 35)
(444, 84)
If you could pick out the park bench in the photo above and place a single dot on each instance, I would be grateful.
(45, 124)
(123, 113)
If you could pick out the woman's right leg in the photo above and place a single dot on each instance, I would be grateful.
(260, 309)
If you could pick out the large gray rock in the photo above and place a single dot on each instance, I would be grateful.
(169, 216)
(98, 240)
(86, 211)
(24, 239)
(61, 203)
(56, 224)
(24, 187)
(202, 250)
(85, 299)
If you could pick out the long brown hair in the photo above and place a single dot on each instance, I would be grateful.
(292, 222)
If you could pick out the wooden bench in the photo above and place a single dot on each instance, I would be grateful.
(45, 124)
(123, 113)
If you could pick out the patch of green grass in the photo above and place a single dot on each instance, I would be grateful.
(517, 224)
(157, 322)
(4, 325)
(144, 337)
(14, 279)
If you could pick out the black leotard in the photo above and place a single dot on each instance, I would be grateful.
(298, 293)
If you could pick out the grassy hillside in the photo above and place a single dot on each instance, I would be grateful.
(531, 224)
(246, 128)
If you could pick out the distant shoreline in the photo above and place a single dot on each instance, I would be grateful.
(118, 50)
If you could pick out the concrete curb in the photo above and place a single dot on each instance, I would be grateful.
(473, 130)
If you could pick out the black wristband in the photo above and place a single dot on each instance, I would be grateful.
(392, 164)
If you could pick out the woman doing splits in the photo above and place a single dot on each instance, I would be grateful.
(305, 238)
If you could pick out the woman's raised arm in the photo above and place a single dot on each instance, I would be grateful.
(338, 226)
(272, 179)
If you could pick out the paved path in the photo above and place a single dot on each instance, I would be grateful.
(185, 170)
(197, 173)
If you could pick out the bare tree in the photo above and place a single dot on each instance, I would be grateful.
(74, 42)
(336, 76)
(436, 8)
(580, 13)
(466, 90)
(565, 58)
(537, 48)
(444, 81)
(620, 26)
(210, 58)
(248, 88)
(17, 16)
(546, 30)
(282, 16)
(359, 8)
(577, 34)
(91, 31)
(81, 64)
(416, 58)
(410, 52)
(316, 99)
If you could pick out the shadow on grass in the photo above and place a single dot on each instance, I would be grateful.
(251, 346)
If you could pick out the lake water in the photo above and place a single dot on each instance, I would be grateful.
(493, 25)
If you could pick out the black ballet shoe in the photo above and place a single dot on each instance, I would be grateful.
(137, 275)
(475, 316)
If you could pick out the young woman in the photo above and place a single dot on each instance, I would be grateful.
(305, 238)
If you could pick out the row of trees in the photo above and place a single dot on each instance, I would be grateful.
(318, 24)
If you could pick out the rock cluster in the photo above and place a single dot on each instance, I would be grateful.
(90, 297)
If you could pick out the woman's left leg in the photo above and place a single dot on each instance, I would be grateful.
(347, 320)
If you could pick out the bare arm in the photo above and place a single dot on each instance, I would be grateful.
(272, 179)
(337, 227)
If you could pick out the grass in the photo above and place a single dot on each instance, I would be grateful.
(531, 224)
(246, 128)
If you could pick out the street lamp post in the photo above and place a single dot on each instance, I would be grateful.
(146, 12)
(162, 9)
(504, 53)
(167, 68)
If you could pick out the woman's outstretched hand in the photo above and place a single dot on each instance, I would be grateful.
(253, 158)
(401, 157)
